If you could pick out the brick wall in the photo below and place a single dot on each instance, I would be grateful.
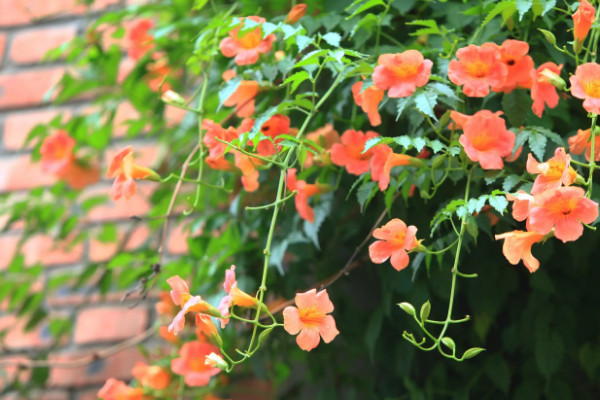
(28, 28)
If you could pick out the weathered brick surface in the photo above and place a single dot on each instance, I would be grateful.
(18, 125)
(104, 251)
(18, 172)
(31, 45)
(27, 88)
(19, 12)
(17, 339)
(110, 323)
(40, 248)
(117, 366)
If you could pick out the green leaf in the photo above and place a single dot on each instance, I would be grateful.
(303, 42)
(365, 193)
(522, 7)
(296, 79)
(264, 335)
(548, 350)
(425, 100)
(472, 228)
(401, 105)
(499, 203)
(430, 27)
(498, 371)
(373, 331)
(498, 9)
(537, 144)
(541, 7)
(332, 38)
(516, 106)
(228, 89)
(365, 6)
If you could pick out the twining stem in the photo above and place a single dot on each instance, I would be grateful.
(592, 164)
(277, 204)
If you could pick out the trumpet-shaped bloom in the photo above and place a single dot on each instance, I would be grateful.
(213, 132)
(305, 190)
(181, 296)
(297, 12)
(543, 92)
(382, 162)
(114, 389)
(349, 153)
(581, 142)
(522, 203)
(243, 97)
(247, 165)
(585, 85)
(57, 152)
(486, 139)
(192, 363)
(310, 319)
(277, 125)
(553, 173)
(151, 376)
(401, 73)
(477, 68)
(395, 239)
(325, 137)
(563, 209)
(248, 46)
(206, 329)
(368, 100)
(124, 170)
(513, 54)
(165, 304)
(517, 247)
(583, 19)
(140, 41)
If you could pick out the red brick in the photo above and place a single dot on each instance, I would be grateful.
(9, 372)
(137, 205)
(18, 126)
(40, 248)
(104, 324)
(17, 173)
(177, 242)
(17, 338)
(18, 12)
(31, 45)
(104, 251)
(2, 45)
(27, 88)
(39, 395)
(174, 115)
(125, 112)
(117, 366)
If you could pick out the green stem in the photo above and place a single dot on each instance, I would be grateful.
(236, 148)
(592, 164)
(267, 206)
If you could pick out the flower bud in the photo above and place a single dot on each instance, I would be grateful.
(295, 14)
(216, 361)
(172, 97)
(548, 76)
(407, 308)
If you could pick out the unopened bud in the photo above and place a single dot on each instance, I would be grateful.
(216, 361)
(548, 76)
(407, 308)
(172, 97)
(577, 46)
(549, 36)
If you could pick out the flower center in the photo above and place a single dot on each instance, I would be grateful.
(197, 364)
(592, 88)
(478, 69)
(251, 40)
(563, 207)
(405, 71)
(482, 141)
(399, 239)
(311, 317)
(555, 170)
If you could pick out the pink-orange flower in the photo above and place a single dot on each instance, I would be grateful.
(477, 68)
(214, 131)
(513, 54)
(243, 97)
(246, 47)
(235, 296)
(305, 190)
(486, 139)
(585, 85)
(140, 41)
(181, 296)
(325, 137)
(384, 159)
(151, 376)
(563, 209)
(552, 173)
(310, 318)
(583, 19)
(368, 100)
(522, 204)
(124, 170)
(401, 73)
(114, 389)
(543, 92)
(247, 165)
(295, 14)
(167, 335)
(57, 152)
(581, 142)
(192, 363)
(206, 329)
(349, 153)
(165, 304)
(517, 247)
(395, 239)
(277, 125)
